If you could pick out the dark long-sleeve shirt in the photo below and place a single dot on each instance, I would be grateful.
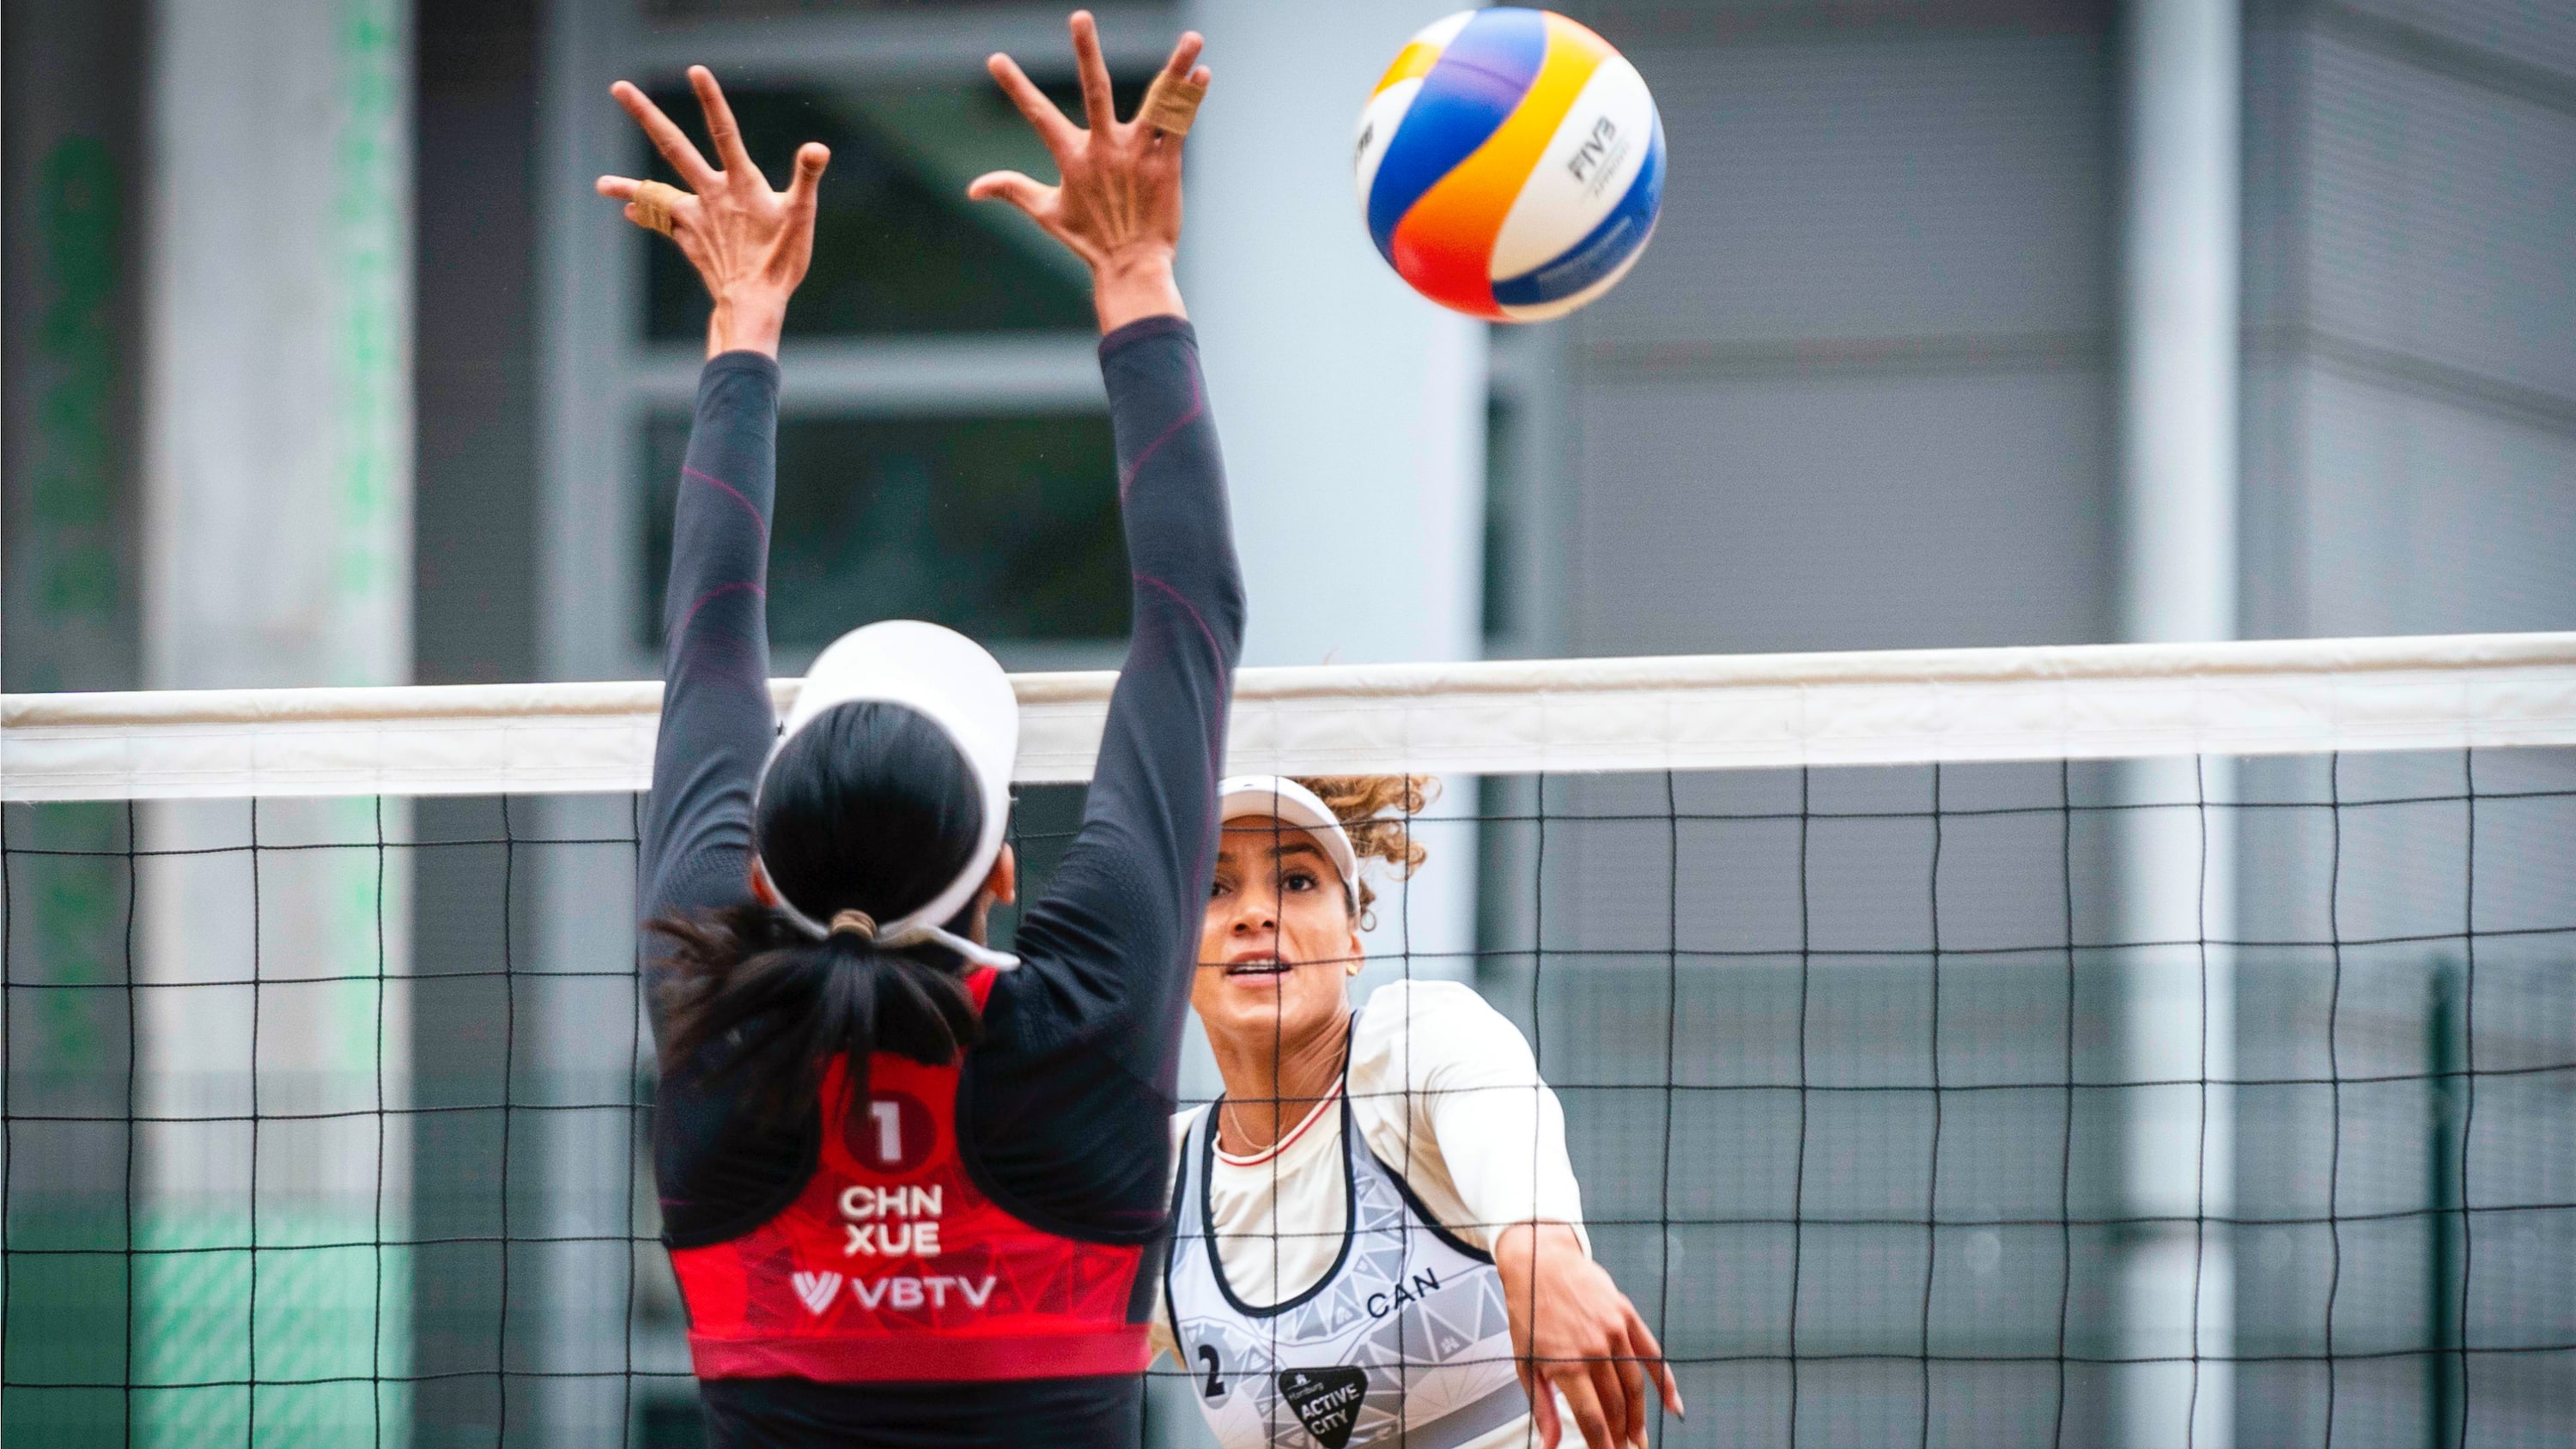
(1062, 1109)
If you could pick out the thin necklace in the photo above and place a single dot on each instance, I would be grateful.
(1276, 1136)
(1262, 1154)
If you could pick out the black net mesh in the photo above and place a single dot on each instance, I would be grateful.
(1849, 1061)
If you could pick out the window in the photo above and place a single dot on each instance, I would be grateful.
(898, 248)
(1527, 459)
(1003, 527)
(944, 449)
(1001, 523)
(1506, 603)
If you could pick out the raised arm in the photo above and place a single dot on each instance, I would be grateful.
(750, 245)
(1127, 897)
(1097, 1010)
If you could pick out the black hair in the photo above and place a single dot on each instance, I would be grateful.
(870, 807)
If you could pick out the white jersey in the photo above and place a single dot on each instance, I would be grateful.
(1404, 1340)
(1440, 1095)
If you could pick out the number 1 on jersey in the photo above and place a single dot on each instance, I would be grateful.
(894, 1134)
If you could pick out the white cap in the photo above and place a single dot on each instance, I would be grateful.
(1278, 797)
(951, 680)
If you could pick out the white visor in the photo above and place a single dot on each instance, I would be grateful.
(949, 678)
(1275, 797)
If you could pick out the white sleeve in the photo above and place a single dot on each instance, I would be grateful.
(1483, 1124)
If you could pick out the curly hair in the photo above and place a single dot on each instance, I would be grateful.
(1377, 813)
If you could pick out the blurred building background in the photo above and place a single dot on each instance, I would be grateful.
(297, 392)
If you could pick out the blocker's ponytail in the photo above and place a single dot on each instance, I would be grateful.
(871, 809)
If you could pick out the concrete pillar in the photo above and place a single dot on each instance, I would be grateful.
(2179, 307)
(1353, 414)
(1353, 411)
(277, 552)
(67, 621)
(2179, 361)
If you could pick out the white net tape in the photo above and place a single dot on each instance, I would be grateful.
(2168, 1102)
(1562, 716)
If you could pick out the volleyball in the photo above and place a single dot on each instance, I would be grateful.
(1510, 164)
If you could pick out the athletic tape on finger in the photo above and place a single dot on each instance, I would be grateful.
(652, 203)
(1171, 102)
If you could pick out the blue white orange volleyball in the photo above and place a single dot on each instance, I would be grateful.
(1511, 164)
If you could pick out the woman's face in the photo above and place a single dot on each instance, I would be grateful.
(1278, 940)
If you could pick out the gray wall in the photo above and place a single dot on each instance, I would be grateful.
(1859, 395)
(2410, 467)
(2411, 421)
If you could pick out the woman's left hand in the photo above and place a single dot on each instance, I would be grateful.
(1118, 203)
(750, 244)
(1574, 1333)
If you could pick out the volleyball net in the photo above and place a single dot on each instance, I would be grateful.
(2128, 1044)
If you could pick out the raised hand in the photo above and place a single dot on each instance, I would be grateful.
(1118, 202)
(750, 244)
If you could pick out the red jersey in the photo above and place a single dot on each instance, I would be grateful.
(892, 1265)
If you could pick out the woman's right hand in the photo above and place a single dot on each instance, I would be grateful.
(1118, 205)
(750, 244)
(1575, 1334)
